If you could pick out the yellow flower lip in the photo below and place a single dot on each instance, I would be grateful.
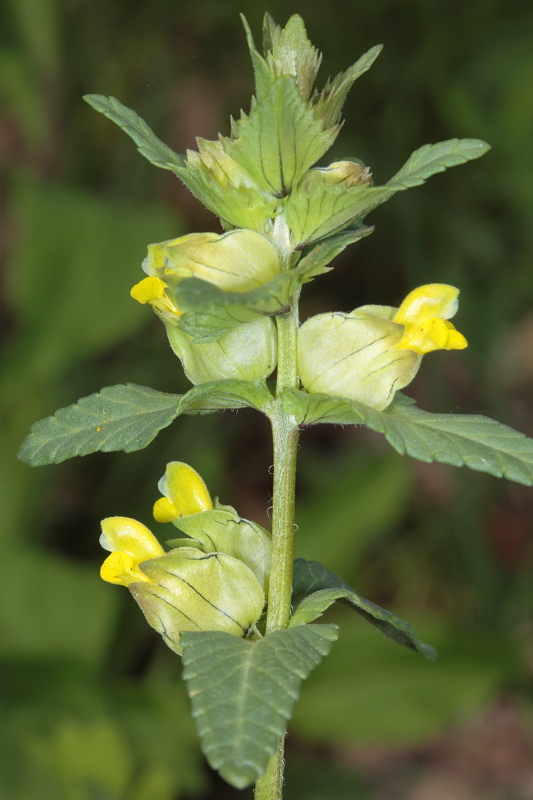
(185, 493)
(424, 314)
(130, 543)
(152, 290)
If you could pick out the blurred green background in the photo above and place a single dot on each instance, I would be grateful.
(92, 707)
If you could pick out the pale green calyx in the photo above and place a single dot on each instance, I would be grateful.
(221, 529)
(189, 590)
(246, 352)
(227, 188)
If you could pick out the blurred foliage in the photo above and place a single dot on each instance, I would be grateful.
(91, 704)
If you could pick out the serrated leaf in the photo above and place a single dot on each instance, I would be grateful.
(316, 588)
(243, 692)
(124, 417)
(208, 310)
(329, 103)
(467, 440)
(326, 209)
(317, 260)
(313, 215)
(433, 158)
(280, 138)
(127, 417)
(131, 123)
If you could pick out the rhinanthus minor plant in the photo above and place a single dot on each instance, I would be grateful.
(228, 596)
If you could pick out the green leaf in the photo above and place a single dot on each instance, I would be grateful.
(124, 417)
(131, 123)
(316, 212)
(208, 310)
(476, 442)
(280, 138)
(223, 395)
(433, 158)
(127, 417)
(316, 261)
(328, 104)
(243, 692)
(315, 589)
(312, 215)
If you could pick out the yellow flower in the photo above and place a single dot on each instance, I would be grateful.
(185, 493)
(152, 290)
(424, 314)
(183, 590)
(130, 543)
(371, 353)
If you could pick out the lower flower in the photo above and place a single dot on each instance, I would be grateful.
(184, 589)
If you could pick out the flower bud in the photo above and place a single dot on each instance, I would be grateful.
(227, 188)
(371, 353)
(347, 173)
(246, 352)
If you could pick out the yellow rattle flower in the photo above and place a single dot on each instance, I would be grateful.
(371, 353)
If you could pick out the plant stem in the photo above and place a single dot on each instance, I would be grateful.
(285, 435)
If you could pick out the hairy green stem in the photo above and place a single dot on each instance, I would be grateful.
(285, 446)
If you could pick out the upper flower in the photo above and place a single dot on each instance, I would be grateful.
(184, 491)
(237, 261)
(374, 351)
